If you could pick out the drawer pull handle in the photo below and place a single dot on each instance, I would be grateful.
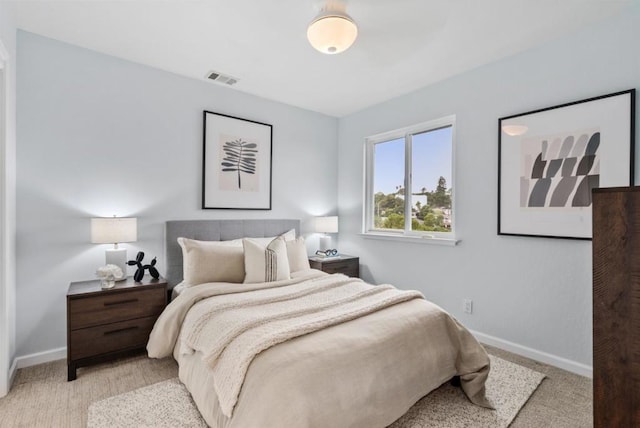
(120, 302)
(120, 330)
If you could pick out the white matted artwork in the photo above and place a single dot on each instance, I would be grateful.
(236, 170)
(551, 159)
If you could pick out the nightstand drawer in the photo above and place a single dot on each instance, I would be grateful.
(92, 341)
(346, 268)
(345, 264)
(113, 307)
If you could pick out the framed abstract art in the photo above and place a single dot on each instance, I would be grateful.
(550, 159)
(236, 170)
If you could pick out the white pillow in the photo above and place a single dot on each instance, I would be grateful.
(265, 263)
(297, 255)
(289, 235)
(211, 261)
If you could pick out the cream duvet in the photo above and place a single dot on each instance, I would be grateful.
(315, 351)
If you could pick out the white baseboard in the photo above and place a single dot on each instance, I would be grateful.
(5, 384)
(12, 372)
(40, 357)
(534, 354)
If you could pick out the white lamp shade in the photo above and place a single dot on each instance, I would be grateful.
(332, 32)
(327, 224)
(114, 230)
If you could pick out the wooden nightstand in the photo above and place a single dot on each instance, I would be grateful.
(348, 265)
(106, 324)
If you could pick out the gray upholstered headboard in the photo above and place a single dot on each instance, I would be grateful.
(215, 230)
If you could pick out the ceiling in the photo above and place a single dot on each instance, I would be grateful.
(402, 45)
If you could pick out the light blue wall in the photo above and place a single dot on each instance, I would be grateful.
(534, 292)
(101, 136)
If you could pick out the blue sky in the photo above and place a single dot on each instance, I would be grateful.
(431, 159)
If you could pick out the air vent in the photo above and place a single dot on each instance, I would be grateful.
(221, 78)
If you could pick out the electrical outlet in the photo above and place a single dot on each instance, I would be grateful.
(467, 306)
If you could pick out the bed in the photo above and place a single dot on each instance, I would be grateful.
(312, 350)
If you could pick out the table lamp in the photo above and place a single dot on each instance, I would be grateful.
(326, 225)
(115, 230)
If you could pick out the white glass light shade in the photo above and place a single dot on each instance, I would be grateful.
(327, 224)
(332, 32)
(114, 230)
(515, 130)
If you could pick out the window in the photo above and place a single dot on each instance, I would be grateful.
(419, 158)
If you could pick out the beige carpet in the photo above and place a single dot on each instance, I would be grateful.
(168, 404)
(42, 397)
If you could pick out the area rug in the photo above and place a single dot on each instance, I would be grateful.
(168, 404)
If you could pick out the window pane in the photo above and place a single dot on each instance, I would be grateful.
(388, 185)
(431, 180)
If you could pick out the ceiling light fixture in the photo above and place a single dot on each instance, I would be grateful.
(332, 31)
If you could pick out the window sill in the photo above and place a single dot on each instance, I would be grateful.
(412, 239)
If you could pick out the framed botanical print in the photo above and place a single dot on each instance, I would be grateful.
(549, 161)
(236, 171)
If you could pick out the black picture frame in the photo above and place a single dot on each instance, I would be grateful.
(236, 163)
(532, 202)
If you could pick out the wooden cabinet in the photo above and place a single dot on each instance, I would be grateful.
(616, 307)
(348, 265)
(106, 324)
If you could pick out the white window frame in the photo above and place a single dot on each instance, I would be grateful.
(406, 133)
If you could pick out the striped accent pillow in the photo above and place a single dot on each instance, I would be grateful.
(265, 262)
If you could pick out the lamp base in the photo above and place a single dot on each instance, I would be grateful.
(118, 257)
(325, 243)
